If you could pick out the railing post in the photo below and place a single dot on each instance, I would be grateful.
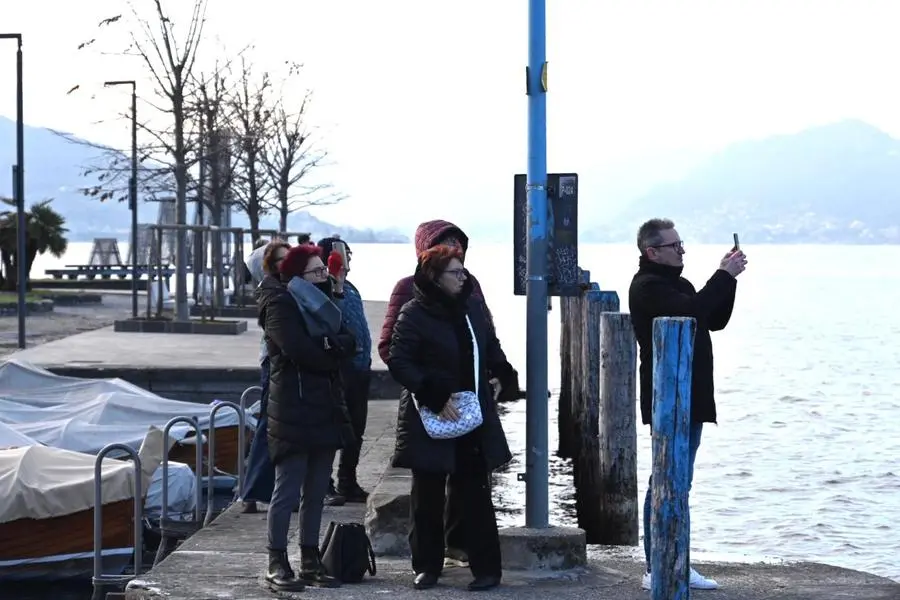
(246, 394)
(618, 431)
(198, 481)
(99, 579)
(211, 471)
(673, 348)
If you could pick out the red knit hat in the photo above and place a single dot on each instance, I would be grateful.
(298, 257)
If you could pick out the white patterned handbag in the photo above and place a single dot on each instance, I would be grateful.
(467, 404)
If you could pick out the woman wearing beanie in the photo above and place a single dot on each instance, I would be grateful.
(307, 418)
(444, 349)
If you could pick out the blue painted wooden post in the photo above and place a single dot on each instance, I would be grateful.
(673, 349)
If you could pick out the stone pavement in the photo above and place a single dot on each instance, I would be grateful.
(226, 561)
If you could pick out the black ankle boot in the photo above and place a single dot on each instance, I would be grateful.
(280, 576)
(351, 490)
(311, 570)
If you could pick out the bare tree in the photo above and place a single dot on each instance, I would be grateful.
(290, 156)
(170, 60)
(252, 124)
(217, 166)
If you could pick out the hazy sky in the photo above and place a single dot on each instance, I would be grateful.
(422, 104)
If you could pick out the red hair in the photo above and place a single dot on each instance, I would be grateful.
(435, 260)
(294, 264)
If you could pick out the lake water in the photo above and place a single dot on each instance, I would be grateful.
(804, 462)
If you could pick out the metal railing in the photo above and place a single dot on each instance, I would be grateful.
(99, 577)
(207, 243)
(165, 528)
(252, 388)
(212, 454)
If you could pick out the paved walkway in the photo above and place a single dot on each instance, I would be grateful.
(107, 349)
(226, 560)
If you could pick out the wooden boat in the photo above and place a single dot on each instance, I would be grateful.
(46, 519)
(228, 450)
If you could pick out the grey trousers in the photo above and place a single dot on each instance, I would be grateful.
(305, 476)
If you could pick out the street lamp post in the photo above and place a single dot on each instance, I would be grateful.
(19, 187)
(132, 195)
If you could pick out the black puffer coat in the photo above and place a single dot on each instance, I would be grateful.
(306, 408)
(431, 357)
(660, 291)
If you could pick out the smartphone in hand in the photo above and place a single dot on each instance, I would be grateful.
(737, 243)
(341, 248)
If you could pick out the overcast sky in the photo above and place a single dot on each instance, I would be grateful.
(422, 103)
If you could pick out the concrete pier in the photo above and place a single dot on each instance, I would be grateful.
(195, 367)
(226, 559)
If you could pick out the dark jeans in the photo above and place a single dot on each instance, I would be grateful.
(259, 480)
(304, 476)
(356, 395)
(478, 524)
(694, 445)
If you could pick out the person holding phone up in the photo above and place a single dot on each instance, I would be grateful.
(659, 290)
(356, 371)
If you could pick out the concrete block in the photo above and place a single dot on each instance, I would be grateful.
(387, 514)
(193, 326)
(550, 549)
(228, 312)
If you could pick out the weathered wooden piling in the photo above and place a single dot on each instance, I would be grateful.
(568, 308)
(571, 318)
(586, 413)
(673, 346)
(618, 502)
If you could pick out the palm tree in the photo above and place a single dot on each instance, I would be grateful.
(46, 233)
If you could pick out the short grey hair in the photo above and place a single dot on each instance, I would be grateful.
(648, 234)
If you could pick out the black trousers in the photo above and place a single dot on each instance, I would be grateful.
(477, 523)
(453, 516)
(356, 395)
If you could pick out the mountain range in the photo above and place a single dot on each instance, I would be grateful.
(53, 169)
(837, 183)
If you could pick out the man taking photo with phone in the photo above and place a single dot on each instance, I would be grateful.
(659, 290)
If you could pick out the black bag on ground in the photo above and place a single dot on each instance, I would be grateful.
(347, 552)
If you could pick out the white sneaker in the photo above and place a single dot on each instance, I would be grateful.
(698, 581)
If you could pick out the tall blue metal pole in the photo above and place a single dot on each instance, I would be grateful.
(536, 424)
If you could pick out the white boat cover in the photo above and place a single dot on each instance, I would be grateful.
(37, 482)
(10, 438)
(84, 415)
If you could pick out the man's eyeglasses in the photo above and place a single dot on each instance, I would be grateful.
(679, 245)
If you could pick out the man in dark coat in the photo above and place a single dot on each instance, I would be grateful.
(659, 290)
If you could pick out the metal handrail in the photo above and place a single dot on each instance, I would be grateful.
(252, 388)
(212, 454)
(198, 486)
(99, 577)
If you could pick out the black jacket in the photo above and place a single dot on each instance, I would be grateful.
(660, 291)
(306, 408)
(431, 357)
